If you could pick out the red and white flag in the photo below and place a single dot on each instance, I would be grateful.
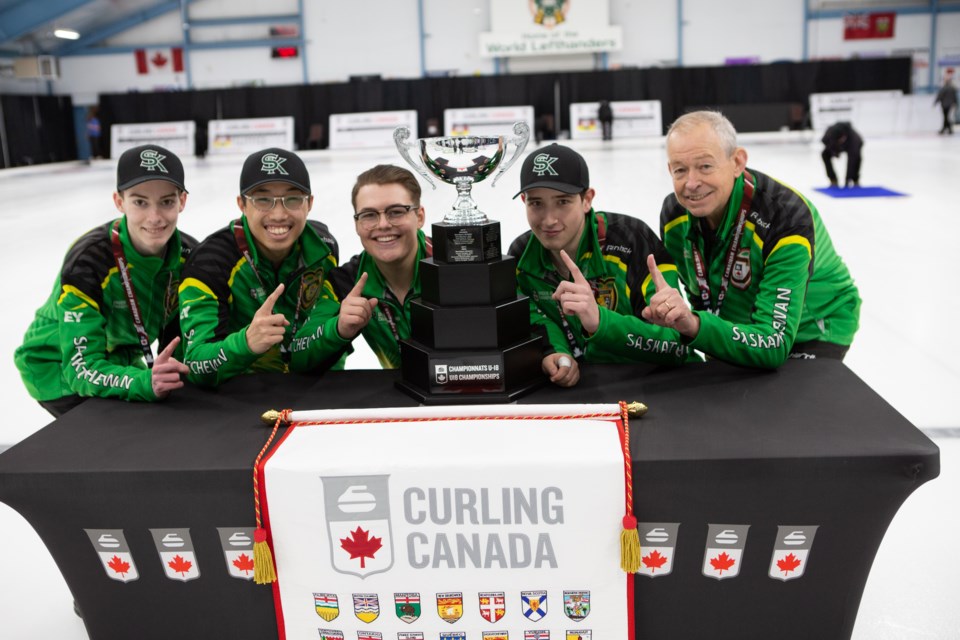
(165, 60)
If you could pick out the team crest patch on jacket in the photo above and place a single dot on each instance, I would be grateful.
(366, 606)
(791, 552)
(493, 604)
(111, 546)
(450, 606)
(310, 285)
(327, 606)
(740, 276)
(357, 511)
(407, 606)
(576, 605)
(605, 292)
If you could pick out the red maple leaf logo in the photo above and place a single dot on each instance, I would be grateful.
(179, 565)
(244, 563)
(361, 545)
(788, 564)
(158, 59)
(722, 561)
(654, 560)
(119, 565)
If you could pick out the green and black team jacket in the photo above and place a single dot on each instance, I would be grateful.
(391, 318)
(221, 292)
(787, 283)
(82, 340)
(613, 257)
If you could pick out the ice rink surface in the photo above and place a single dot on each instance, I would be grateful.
(899, 250)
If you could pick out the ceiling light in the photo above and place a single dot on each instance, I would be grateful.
(66, 34)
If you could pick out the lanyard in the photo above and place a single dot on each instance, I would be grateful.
(135, 314)
(244, 248)
(701, 267)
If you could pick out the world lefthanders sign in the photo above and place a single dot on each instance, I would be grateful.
(449, 526)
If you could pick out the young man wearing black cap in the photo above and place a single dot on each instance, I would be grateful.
(256, 295)
(585, 271)
(116, 294)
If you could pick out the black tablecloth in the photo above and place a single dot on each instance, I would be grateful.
(809, 444)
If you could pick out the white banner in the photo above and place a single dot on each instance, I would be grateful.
(631, 119)
(486, 121)
(175, 136)
(549, 27)
(469, 528)
(247, 135)
(370, 129)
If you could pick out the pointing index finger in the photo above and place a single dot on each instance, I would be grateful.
(658, 280)
(169, 349)
(358, 288)
(575, 272)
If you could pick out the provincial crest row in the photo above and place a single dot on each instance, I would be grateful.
(450, 605)
(532, 634)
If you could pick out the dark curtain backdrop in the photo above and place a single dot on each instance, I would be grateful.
(755, 97)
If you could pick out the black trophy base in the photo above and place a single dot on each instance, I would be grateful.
(468, 284)
(466, 243)
(480, 376)
(475, 327)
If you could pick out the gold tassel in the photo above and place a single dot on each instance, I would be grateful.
(630, 545)
(263, 570)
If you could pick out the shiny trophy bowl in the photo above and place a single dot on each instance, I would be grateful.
(462, 161)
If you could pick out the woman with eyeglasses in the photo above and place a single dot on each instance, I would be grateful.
(376, 286)
(256, 295)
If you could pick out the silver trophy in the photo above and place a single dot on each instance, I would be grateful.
(462, 161)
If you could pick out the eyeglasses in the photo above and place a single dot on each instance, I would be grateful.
(369, 218)
(267, 203)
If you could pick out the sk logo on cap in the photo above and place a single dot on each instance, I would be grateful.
(543, 163)
(150, 160)
(271, 163)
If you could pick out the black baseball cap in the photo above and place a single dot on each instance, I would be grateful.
(274, 165)
(149, 162)
(555, 167)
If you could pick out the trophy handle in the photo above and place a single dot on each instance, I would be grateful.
(522, 131)
(400, 137)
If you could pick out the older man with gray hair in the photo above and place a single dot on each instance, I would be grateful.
(763, 280)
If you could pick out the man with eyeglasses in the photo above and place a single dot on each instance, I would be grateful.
(585, 272)
(115, 295)
(376, 286)
(256, 295)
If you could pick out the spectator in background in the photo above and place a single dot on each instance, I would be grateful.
(840, 138)
(605, 116)
(947, 97)
(93, 133)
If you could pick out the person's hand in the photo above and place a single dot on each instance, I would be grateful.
(562, 369)
(166, 372)
(355, 311)
(267, 328)
(576, 298)
(667, 307)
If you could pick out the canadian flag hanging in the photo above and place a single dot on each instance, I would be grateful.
(169, 60)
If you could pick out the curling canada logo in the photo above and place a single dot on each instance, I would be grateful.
(358, 523)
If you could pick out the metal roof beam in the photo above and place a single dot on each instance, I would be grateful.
(24, 17)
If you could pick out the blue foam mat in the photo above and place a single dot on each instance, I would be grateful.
(859, 192)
